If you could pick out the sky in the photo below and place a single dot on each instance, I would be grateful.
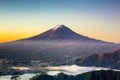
(99, 19)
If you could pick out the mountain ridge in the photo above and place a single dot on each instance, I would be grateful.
(111, 60)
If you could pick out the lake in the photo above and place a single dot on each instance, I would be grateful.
(26, 76)
(69, 70)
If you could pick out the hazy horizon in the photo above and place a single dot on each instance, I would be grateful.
(99, 19)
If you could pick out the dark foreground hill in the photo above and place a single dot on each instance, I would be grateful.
(111, 60)
(94, 75)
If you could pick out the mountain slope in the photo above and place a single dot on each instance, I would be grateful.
(111, 60)
(62, 33)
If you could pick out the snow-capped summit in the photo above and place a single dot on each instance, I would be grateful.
(58, 27)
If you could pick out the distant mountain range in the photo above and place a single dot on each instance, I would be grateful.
(57, 46)
(94, 75)
(110, 60)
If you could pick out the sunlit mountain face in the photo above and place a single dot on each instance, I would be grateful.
(57, 46)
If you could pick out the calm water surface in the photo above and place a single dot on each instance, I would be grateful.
(69, 70)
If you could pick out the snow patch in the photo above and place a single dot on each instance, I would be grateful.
(58, 27)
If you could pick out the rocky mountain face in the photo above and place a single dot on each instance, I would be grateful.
(110, 60)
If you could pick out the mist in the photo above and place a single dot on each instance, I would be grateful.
(53, 52)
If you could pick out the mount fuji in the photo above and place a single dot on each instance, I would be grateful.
(57, 46)
(61, 33)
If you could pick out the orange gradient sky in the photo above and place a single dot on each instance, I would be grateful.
(11, 34)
